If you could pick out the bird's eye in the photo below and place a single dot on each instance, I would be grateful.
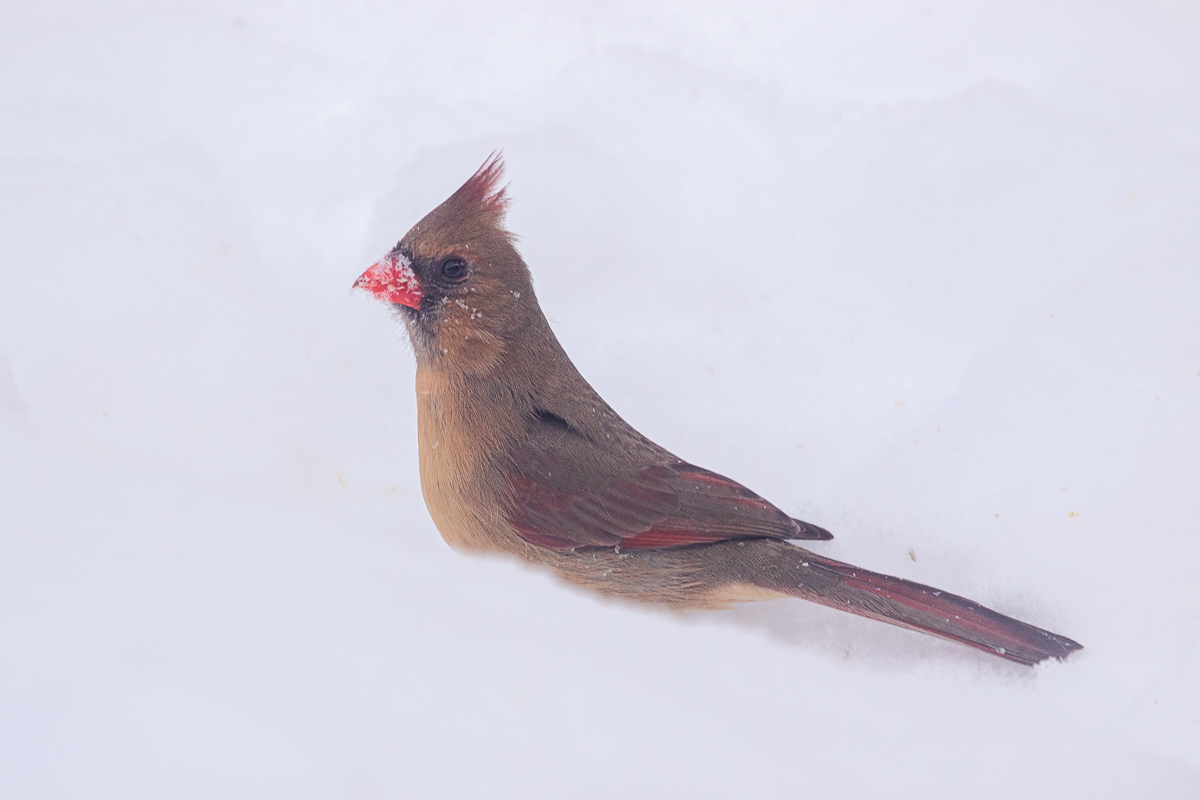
(455, 269)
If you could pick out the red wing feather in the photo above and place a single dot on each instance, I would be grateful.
(657, 507)
(664, 537)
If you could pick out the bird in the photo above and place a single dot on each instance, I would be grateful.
(519, 455)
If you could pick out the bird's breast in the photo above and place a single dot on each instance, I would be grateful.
(463, 489)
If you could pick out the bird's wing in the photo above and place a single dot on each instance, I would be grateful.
(566, 494)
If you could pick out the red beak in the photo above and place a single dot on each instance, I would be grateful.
(391, 278)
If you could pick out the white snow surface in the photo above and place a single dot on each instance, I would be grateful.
(922, 273)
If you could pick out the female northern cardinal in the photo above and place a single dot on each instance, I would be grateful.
(520, 455)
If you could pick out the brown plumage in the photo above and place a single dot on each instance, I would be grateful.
(520, 455)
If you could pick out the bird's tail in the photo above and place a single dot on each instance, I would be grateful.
(808, 576)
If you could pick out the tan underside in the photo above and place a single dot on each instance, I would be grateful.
(732, 593)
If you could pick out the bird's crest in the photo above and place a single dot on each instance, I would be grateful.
(481, 197)
(474, 213)
(482, 190)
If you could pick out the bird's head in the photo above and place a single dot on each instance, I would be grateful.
(457, 280)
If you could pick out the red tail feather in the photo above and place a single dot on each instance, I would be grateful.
(922, 608)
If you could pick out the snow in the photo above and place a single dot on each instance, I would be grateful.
(924, 274)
